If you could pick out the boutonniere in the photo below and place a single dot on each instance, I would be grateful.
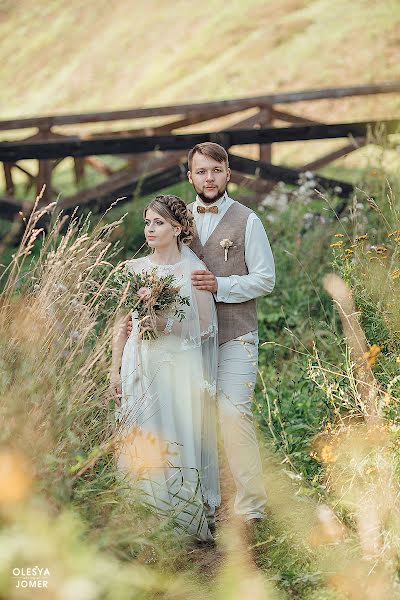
(226, 244)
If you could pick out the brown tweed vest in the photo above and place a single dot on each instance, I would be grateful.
(237, 318)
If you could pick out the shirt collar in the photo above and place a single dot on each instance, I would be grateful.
(218, 203)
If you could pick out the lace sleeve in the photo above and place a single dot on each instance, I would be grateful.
(134, 265)
(207, 313)
(200, 322)
(169, 325)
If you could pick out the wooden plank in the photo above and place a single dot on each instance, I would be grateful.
(193, 117)
(13, 151)
(103, 196)
(8, 178)
(265, 120)
(119, 181)
(234, 105)
(31, 178)
(149, 161)
(190, 119)
(44, 179)
(98, 165)
(79, 168)
(9, 207)
(334, 155)
(291, 118)
(121, 115)
(291, 176)
(55, 163)
(247, 123)
(17, 166)
(115, 182)
(257, 185)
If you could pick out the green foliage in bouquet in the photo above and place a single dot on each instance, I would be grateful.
(148, 293)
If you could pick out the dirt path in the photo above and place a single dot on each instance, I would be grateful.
(209, 560)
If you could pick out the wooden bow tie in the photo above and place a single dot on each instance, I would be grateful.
(211, 209)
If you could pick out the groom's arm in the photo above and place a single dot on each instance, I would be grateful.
(260, 264)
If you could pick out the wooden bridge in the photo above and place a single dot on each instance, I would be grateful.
(155, 156)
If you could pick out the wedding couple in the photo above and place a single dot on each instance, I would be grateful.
(170, 392)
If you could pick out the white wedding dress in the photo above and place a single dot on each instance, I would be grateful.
(167, 418)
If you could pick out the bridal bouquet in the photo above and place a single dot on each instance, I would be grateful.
(149, 294)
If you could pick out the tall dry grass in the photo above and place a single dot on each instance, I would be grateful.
(63, 507)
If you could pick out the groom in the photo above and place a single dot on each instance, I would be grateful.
(232, 242)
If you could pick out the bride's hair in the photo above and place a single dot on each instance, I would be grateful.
(174, 210)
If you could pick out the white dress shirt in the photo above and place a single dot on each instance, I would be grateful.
(258, 255)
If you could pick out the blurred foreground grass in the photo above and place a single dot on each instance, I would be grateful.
(331, 472)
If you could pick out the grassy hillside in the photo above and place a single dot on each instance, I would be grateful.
(77, 56)
(62, 57)
(333, 530)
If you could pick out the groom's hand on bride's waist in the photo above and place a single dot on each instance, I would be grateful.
(205, 280)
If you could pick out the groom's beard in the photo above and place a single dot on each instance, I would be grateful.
(211, 199)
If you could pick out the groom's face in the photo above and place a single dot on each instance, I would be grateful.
(208, 177)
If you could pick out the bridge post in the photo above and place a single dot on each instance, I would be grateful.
(8, 179)
(265, 120)
(45, 168)
(44, 178)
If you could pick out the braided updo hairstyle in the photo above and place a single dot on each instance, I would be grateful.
(174, 210)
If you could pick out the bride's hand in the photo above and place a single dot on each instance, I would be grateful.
(116, 388)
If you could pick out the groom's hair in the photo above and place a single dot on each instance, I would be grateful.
(210, 149)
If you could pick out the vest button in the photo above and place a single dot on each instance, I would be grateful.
(201, 256)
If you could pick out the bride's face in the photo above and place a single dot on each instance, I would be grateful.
(159, 232)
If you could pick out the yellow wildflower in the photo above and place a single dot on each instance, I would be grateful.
(398, 360)
(349, 252)
(396, 274)
(339, 235)
(359, 238)
(387, 398)
(372, 354)
(337, 245)
(15, 477)
(327, 454)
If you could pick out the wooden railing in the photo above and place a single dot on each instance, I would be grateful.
(50, 144)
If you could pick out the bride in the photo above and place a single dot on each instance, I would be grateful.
(165, 389)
